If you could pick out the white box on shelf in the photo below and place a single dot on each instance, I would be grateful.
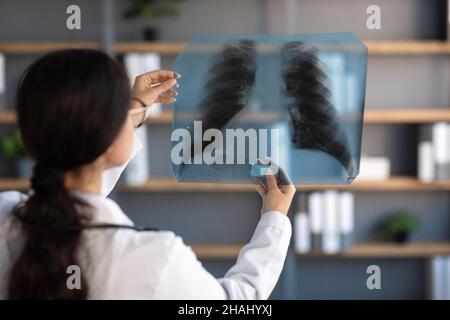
(140, 63)
(374, 168)
(138, 170)
(425, 162)
(330, 235)
(440, 150)
(302, 241)
(315, 209)
(346, 218)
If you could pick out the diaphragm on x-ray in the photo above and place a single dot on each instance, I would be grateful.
(249, 103)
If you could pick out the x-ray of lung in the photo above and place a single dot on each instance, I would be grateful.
(249, 102)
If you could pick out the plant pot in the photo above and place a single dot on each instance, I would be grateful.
(24, 167)
(401, 237)
(150, 33)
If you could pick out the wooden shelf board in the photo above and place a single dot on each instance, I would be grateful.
(7, 117)
(44, 46)
(425, 47)
(371, 116)
(408, 47)
(406, 115)
(358, 251)
(169, 48)
(14, 184)
(217, 251)
(393, 184)
(389, 250)
(170, 185)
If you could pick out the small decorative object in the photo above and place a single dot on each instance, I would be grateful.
(399, 226)
(13, 149)
(152, 10)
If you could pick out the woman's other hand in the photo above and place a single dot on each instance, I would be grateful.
(154, 87)
(275, 197)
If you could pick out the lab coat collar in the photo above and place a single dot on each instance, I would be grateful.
(104, 210)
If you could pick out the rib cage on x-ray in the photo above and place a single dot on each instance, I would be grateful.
(313, 116)
(230, 75)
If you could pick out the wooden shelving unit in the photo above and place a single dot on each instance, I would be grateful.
(358, 251)
(18, 48)
(389, 250)
(14, 184)
(168, 48)
(371, 116)
(170, 185)
(406, 115)
(173, 48)
(428, 47)
(9, 117)
(217, 251)
(393, 184)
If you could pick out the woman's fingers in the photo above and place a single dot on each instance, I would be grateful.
(163, 99)
(288, 189)
(271, 180)
(153, 94)
(164, 86)
(261, 190)
(158, 76)
(171, 93)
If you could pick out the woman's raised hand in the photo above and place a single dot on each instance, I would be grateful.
(153, 87)
(276, 196)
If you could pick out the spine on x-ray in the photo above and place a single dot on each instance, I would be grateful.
(2, 81)
(302, 240)
(315, 208)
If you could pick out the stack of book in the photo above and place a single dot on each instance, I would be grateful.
(434, 152)
(439, 278)
(324, 222)
(138, 171)
(140, 63)
(448, 20)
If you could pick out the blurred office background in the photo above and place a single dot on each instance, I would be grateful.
(407, 111)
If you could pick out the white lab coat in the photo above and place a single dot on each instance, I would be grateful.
(125, 264)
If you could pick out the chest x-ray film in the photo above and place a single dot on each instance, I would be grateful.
(297, 100)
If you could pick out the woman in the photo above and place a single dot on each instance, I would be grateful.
(74, 118)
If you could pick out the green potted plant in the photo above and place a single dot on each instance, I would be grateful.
(399, 226)
(152, 10)
(12, 149)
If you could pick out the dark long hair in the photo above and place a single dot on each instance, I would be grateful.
(71, 105)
